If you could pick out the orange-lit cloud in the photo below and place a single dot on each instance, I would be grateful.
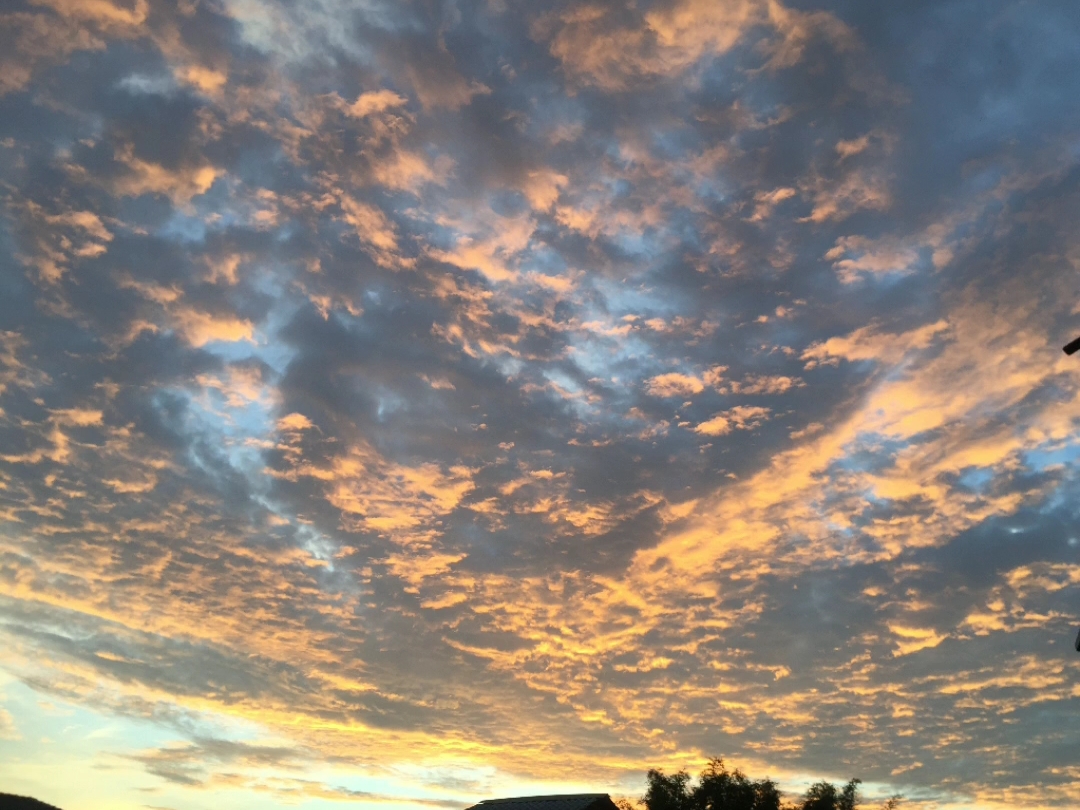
(398, 404)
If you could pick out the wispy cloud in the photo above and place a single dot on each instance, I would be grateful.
(440, 395)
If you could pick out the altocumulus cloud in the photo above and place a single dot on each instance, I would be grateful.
(402, 403)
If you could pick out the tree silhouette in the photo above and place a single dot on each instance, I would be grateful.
(667, 792)
(825, 796)
(849, 796)
(720, 789)
(717, 788)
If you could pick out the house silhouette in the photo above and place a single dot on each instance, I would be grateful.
(9, 801)
(568, 801)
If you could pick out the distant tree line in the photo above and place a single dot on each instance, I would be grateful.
(717, 788)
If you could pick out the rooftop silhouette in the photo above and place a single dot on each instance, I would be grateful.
(9, 801)
(568, 801)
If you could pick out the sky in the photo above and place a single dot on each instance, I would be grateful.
(404, 404)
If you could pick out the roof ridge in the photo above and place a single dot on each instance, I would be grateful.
(548, 797)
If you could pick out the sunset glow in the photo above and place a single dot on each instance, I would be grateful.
(404, 404)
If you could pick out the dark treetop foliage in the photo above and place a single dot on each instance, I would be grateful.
(825, 796)
(717, 788)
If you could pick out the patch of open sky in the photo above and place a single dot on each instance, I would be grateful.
(48, 726)
(52, 713)
(317, 544)
(884, 281)
(508, 366)
(241, 432)
(986, 180)
(541, 257)
(88, 128)
(676, 148)
(474, 780)
(242, 427)
(597, 354)
(388, 402)
(233, 350)
(183, 227)
(709, 188)
(264, 346)
(681, 225)
(674, 143)
(1044, 458)
(568, 384)
(57, 624)
(621, 298)
(869, 452)
(295, 35)
(157, 84)
(870, 497)
(239, 427)
(637, 243)
(439, 234)
(236, 431)
(286, 232)
(976, 478)
(1066, 495)
(221, 207)
(276, 282)
(630, 355)
(224, 205)
(98, 746)
(387, 784)
(896, 373)
(554, 113)
(614, 152)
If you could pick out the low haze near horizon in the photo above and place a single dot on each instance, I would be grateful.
(409, 403)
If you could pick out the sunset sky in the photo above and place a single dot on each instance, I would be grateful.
(409, 403)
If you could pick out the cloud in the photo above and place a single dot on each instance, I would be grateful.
(766, 201)
(542, 187)
(741, 417)
(913, 639)
(383, 385)
(765, 384)
(594, 46)
(377, 494)
(8, 729)
(868, 343)
(100, 11)
(372, 226)
(856, 191)
(863, 257)
(375, 101)
(35, 41)
(200, 328)
(180, 185)
(491, 249)
(674, 384)
(442, 87)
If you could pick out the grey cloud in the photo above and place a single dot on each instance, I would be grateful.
(704, 221)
